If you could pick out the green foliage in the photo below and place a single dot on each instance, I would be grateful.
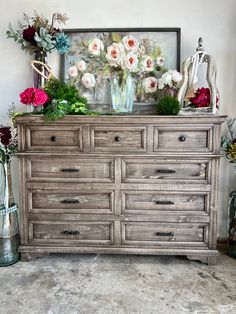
(64, 99)
(168, 105)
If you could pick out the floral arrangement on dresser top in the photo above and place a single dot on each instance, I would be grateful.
(112, 57)
(228, 141)
(38, 35)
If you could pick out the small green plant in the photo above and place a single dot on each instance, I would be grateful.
(64, 99)
(168, 105)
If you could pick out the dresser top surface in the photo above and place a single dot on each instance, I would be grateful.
(117, 119)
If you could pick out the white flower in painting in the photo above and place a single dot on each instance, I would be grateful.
(150, 85)
(160, 61)
(82, 66)
(176, 76)
(95, 47)
(130, 42)
(88, 80)
(115, 53)
(131, 61)
(148, 64)
(73, 71)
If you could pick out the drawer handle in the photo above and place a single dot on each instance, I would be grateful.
(70, 232)
(165, 171)
(117, 138)
(165, 234)
(164, 203)
(69, 170)
(70, 202)
(53, 138)
(182, 138)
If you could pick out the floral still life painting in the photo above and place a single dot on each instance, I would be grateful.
(120, 66)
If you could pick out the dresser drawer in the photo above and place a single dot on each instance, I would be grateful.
(146, 202)
(119, 139)
(151, 233)
(69, 169)
(153, 170)
(71, 233)
(54, 138)
(183, 139)
(59, 201)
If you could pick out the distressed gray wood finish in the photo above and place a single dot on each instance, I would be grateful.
(119, 184)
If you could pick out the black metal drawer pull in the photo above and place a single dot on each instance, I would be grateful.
(117, 138)
(69, 170)
(164, 203)
(182, 138)
(76, 232)
(165, 171)
(53, 138)
(165, 234)
(70, 202)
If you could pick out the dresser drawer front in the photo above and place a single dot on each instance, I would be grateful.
(145, 202)
(118, 139)
(183, 139)
(156, 233)
(66, 233)
(84, 202)
(49, 138)
(81, 170)
(153, 170)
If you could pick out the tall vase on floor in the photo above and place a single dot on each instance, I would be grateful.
(231, 243)
(9, 230)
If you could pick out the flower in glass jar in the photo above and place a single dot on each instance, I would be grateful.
(115, 53)
(201, 98)
(88, 80)
(131, 62)
(150, 85)
(148, 64)
(130, 42)
(95, 47)
(82, 66)
(73, 71)
(33, 96)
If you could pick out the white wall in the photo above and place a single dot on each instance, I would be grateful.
(214, 20)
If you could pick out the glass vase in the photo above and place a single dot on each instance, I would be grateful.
(122, 94)
(9, 227)
(39, 80)
(231, 243)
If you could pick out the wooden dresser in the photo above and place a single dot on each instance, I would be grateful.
(119, 184)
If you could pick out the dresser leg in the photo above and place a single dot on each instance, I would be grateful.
(27, 257)
(209, 260)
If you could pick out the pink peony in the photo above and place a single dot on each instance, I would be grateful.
(33, 96)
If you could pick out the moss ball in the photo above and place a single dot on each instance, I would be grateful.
(168, 105)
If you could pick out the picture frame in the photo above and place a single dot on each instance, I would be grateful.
(158, 42)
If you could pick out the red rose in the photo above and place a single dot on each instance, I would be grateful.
(5, 135)
(26, 97)
(28, 35)
(40, 97)
(33, 96)
(201, 98)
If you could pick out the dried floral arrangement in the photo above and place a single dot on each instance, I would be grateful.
(228, 142)
(37, 34)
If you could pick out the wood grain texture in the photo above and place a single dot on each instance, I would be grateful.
(119, 184)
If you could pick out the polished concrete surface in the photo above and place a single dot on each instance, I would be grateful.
(117, 284)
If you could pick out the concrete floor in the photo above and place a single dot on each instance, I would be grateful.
(61, 284)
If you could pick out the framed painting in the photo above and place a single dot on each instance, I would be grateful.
(99, 56)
